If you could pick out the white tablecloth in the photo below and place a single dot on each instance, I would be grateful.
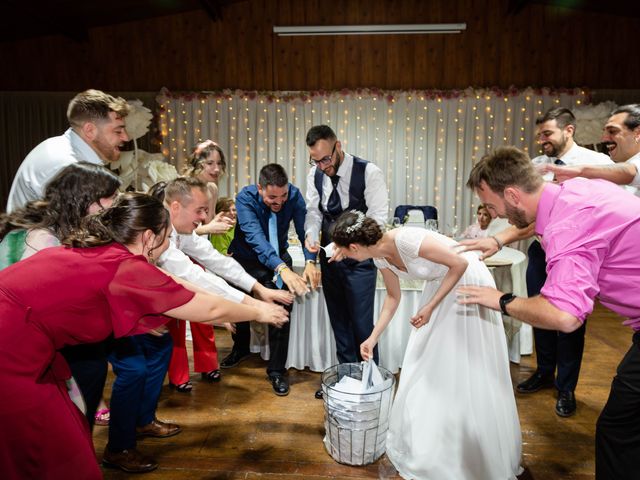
(509, 268)
(311, 341)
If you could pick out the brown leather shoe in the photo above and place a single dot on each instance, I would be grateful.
(131, 461)
(158, 429)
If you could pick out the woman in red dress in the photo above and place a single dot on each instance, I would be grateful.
(63, 296)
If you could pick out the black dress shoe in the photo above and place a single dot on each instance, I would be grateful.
(535, 382)
(566, 404)
(233, 359)
(280, 385)
(319, 394)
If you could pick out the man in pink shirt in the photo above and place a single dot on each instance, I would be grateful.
(591, 249)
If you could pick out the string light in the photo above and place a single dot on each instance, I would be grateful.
(412, 137)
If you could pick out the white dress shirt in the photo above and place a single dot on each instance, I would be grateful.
(176, 260)
(375, 195)
(576, 155)
(635, 160)
(42, 164)
(177, 263)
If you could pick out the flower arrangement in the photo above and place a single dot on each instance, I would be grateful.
(139, 169)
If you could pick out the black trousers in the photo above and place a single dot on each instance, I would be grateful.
(349, 290)
(618, 427)
(278, 337)
(88, 363)
(554, 349)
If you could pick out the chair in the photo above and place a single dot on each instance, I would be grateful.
(428, 212)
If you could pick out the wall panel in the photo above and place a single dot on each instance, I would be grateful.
(538, 46)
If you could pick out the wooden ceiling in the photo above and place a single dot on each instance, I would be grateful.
(73, 18)
(21, 19)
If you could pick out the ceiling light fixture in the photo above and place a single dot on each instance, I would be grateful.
(424, 28)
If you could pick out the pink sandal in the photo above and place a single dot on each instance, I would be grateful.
(102, 417)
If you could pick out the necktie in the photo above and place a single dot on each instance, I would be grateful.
(273, 240)
(557, 161)
(334, 207)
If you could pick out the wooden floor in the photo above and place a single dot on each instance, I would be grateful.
(238, 429)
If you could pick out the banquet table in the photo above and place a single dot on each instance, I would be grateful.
(509, 268)
(311, 341)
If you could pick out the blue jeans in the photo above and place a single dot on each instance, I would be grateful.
(140, 364)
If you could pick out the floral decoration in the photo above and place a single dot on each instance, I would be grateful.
(138, 169)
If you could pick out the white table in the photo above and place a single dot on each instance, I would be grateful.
(509, 268)
(311, 341)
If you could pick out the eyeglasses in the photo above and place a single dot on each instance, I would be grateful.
(324, 160)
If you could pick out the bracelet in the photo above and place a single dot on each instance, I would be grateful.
(498, 242)
(280, 268)
(311, 261)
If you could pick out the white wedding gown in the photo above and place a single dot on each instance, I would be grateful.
(454, 416)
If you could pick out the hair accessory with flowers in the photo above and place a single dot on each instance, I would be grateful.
(202, 145)
(358, 223)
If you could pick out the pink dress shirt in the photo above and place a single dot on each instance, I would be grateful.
(590, 231)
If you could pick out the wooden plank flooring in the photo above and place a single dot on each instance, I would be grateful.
(238, 429)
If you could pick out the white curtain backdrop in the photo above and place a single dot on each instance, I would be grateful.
(425, 142)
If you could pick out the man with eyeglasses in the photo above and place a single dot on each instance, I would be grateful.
(340, 182)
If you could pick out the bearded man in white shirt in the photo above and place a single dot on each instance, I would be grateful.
(96, 133)
(621, 137)
(558, 355)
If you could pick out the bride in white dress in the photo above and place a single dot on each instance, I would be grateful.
(454, 416)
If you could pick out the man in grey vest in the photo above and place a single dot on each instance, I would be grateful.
(339, 182)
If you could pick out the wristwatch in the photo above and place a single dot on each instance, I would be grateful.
(505, 300)
(310, 261)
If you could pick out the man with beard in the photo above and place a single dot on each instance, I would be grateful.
(265, 212)
(96, 133)
(622, 139)
(557, 354)
(337, 182)
(590, 244)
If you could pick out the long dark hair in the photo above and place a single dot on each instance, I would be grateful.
(130, 215)
(66, 201)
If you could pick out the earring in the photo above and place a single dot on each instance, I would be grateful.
(150, 256)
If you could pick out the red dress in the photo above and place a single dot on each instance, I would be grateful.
(60, 297)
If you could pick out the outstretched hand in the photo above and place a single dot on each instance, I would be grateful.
(312, 275)
(273, 314)
(487, 296)
(562, 173)
(295, 283)
(488, 246)
(273, 295)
